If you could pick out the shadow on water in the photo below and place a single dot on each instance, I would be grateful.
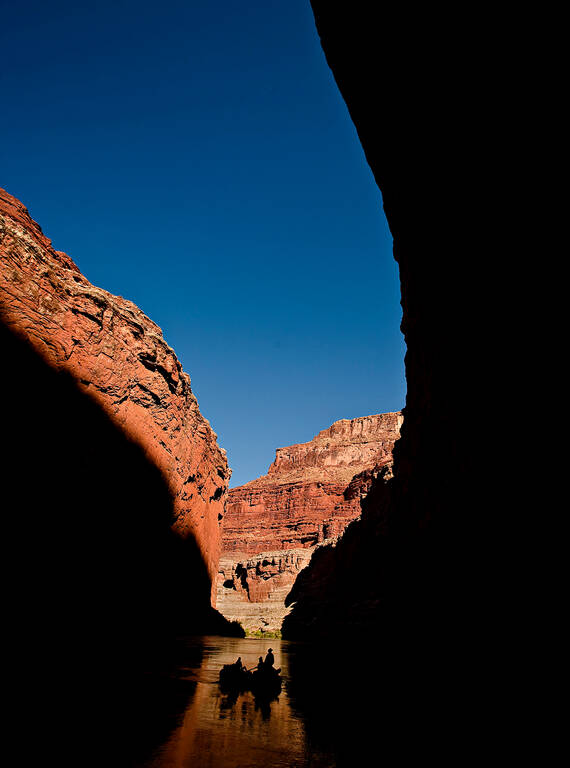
(339, 705)
(365, 697)
(96, 583)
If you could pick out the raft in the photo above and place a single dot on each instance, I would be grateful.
(261, 683)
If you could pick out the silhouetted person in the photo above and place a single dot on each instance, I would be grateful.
(269, 659)
(260, 664)
(238, 664)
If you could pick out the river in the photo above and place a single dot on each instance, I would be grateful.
(216, 730)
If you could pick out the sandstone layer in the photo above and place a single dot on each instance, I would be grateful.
(119, 358)
(252, 589)
(273, 524)
(304, 497)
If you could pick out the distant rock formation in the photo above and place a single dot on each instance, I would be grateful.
(253, 589)
(311, 492)
(301, 500)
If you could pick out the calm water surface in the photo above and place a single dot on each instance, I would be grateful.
(220, 731)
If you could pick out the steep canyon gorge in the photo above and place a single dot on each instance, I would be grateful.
(310, 493)
(117, 488)
(119, 364)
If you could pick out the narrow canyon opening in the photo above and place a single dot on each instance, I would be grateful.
(134, 570)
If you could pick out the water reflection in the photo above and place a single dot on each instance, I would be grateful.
(338, 706)
(223, 730)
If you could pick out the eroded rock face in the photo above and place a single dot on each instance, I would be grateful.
(252, 589)
(336, 452)
(273, 525)
(303, 499)
(117, 356)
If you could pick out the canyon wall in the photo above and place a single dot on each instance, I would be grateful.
(412, 559)
(301, 500)
(310, 493)
(113, 487)
(118, 357)
(414, 598)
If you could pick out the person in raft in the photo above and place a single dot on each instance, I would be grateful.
(269, 659)
(238, 664)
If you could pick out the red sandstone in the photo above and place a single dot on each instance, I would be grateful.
(118, 356)
(311, 492)
(304, 497)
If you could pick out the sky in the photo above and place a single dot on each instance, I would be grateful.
(197, 158)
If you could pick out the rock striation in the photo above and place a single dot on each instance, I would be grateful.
(309, 495)
(305, 498)
(119, 358)
(252, 589)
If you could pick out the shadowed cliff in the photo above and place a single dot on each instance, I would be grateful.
(113, 489)
(96, 581)
(120, 359)
(412, 601)
(417, 543)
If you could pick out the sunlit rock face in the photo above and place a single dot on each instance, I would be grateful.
(302, 500)
(311, 492)
(118, 357)
(252, 589)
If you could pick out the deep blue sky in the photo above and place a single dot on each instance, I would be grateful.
(197, 158)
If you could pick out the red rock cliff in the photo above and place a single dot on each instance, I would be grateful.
(302, 499)
(118, 356)
(273, 524)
